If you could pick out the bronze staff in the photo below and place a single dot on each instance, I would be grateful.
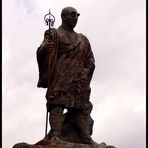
(49, 22)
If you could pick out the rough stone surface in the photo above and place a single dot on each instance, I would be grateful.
(60, 144)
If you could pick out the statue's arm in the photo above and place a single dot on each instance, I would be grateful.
(44, 45)
(41, 50)
(45, 48)
(90, 60)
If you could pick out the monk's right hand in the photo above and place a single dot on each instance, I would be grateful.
(48, 47)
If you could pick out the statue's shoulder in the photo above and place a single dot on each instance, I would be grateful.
(84, 37)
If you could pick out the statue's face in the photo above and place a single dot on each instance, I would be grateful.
(71, 18)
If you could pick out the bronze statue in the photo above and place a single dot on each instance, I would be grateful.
(66, 65)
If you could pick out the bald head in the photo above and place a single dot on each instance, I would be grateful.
(69, 17)
(69, 10)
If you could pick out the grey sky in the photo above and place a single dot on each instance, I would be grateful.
(116, 30)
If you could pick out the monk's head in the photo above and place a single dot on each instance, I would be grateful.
(69, 16)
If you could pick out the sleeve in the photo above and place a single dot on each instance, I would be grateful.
(44, 42)
(46, 57)
(42, 60)
(90, 60)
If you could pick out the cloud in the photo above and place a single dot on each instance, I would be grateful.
(119, 115)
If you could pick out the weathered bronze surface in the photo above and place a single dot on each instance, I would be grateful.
(66, 65)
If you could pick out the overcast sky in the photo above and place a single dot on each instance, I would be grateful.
(116, 30)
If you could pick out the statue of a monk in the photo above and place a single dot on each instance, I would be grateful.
(66, 65)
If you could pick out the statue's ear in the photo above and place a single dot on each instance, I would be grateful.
(63, 16)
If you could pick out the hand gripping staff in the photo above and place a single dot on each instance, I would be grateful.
(52, 54)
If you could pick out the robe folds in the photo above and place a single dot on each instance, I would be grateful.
(66, 69)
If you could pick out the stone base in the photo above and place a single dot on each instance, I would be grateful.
(60, 144)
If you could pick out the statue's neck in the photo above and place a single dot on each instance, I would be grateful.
(67, 28)
(69, 35)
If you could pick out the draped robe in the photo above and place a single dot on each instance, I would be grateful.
(73, 70)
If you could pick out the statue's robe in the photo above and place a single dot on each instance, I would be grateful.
(73, 69)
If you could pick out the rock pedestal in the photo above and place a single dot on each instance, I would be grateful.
(69, 138)
(60, 144)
